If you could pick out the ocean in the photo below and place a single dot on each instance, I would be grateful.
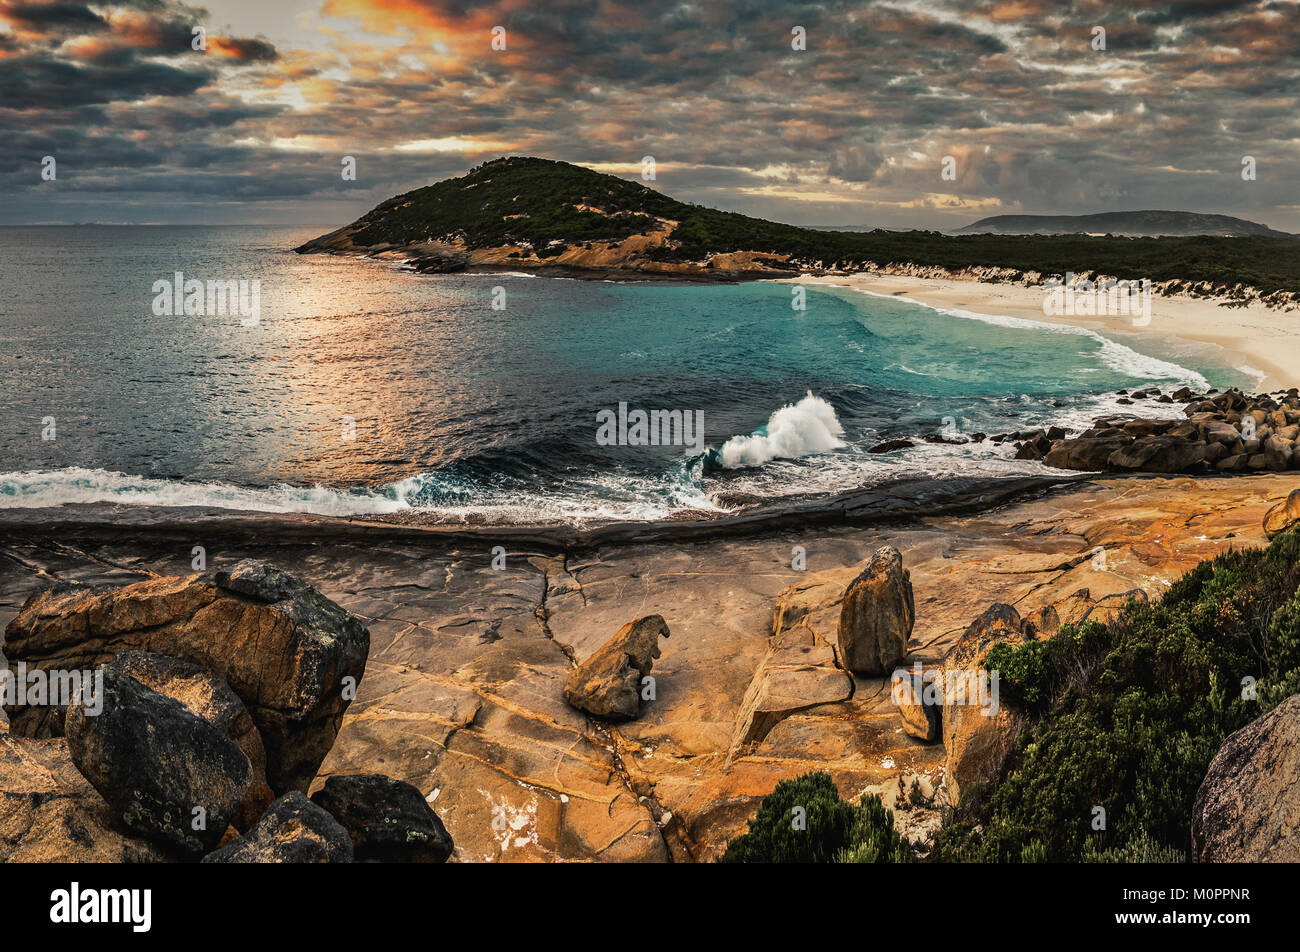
(363, 389)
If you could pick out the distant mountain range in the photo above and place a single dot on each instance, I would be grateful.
(1146, 224)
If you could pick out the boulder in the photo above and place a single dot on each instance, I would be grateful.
(1237, 463)
(979, 732)
(608, 684)
(920, 710)
(1043, 624)
(1158, 454)
(1086, 453)
(1216, 431)
(210, 698)
(1283, 515)
(1146, 427)
(1214, 452)
(997, 623)
(293, 830)
(170, 775)
(1247, 809)
(876, 615)
(291, 655)
(387, 820)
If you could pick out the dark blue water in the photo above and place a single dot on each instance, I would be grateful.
(364, 388)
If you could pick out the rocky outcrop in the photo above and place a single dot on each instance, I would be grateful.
(979, 732)
(210, 698)
(387, 820)
(463, 692)
(876, 615)
(1229, 432)
(170, 775)
(798, 672)
(1247, 809)
(1158, 454)
(1284, 516)
(1080, 607)
(291, 655)
(293, 830)
(609, 683)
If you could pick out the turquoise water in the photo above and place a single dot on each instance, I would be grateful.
(364, 388)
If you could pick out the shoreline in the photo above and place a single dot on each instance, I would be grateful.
(879, 505)
(462, 692)
(1254, 339)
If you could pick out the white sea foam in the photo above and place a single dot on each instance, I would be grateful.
(605, 498)
(1114, 355)
(795, 430)
(39, 488)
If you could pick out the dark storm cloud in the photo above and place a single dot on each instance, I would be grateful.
(51, 17)
(248, 51)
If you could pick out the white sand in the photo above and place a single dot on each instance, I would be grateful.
(1254, 339)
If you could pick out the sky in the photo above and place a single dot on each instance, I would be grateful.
(852, 130)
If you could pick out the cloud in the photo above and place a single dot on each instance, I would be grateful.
(858, 123)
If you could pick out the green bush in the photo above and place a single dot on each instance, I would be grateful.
(830, 829)
(1127, 716)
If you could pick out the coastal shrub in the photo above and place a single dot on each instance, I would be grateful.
(1283, 656)
(872, 838)
(805, 821)
(1139, 849)
(1127, 716)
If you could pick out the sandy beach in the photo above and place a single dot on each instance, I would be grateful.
(1255, 339)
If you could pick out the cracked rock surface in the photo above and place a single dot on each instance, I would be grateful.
(463, 689)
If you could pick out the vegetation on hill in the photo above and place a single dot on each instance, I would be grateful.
(550, 204)
(1125, 716)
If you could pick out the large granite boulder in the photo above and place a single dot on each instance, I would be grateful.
(210, 698)
(387, 820)
(979, 732)
(1158, 454)
(169, 774)
(291, 655)
(608, 684)
(293, 830)
(1247, 809)
(1283, 515)
(1086, 452)
(876, 615)
(49, 812)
